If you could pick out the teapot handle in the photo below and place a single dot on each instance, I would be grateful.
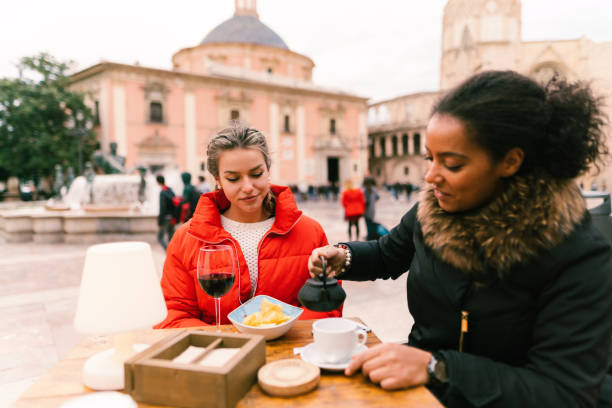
(324, 273)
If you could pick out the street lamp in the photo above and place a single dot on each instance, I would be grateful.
(80, 129)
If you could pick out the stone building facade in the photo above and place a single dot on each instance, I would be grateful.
(479, 35)
(242, 70)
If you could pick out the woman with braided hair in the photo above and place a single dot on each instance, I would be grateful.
(270, 236)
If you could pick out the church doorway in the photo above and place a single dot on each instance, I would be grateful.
(333, 170)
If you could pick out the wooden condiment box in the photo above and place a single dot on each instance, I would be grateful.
(152, 377)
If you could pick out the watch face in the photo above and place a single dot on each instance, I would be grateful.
(440, 371)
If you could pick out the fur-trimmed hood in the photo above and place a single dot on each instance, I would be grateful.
(533, 213)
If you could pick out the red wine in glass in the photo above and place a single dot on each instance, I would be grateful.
(216, 284)
(216, 273)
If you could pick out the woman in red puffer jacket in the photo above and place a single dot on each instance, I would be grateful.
(271, 238)
(353, 202)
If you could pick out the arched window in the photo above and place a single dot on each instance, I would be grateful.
(404, 144)
(383, 152)
(394, 145)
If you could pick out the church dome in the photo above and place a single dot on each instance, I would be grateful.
(242, 28)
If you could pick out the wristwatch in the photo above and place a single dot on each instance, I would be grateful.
(436, 369)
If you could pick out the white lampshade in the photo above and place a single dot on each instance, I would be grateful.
(120, 290)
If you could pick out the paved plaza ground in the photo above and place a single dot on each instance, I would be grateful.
(39, 286)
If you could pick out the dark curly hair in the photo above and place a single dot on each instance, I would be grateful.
(558, 125)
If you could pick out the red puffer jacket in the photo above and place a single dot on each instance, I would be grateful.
(283, 261)
(353, 202)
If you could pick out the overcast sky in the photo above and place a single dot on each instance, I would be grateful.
(374, 48)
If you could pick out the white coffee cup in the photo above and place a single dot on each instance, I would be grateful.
(335, 339)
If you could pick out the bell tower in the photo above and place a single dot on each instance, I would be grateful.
(246, 7)
(478, 35)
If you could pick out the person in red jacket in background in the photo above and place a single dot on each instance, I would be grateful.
(353, 202)
(271, 238)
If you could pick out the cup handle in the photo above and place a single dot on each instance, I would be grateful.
(362, 337)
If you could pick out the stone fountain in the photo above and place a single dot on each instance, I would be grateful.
(104, 208)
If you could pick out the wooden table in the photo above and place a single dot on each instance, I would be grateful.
(63, 381)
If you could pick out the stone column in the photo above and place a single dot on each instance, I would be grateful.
(363, 146)
(377, 151)
(410, 144)
(273, 141)
(119, 119)
(103, 113)
(300, 134)
(192, 152)
(389, 145)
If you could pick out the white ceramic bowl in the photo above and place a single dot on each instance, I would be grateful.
(237, 315)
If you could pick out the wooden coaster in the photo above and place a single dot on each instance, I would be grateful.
(289, 377)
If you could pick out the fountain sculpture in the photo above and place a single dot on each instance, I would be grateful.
(96, 208)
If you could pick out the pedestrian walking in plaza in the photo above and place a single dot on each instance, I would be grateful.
(371, 196)
(396, 190)
(270, 237)
(353, 202)
(165, 222)
(510, 283)
(190, 197)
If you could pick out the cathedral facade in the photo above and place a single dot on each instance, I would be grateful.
(480, 35)
(242, 70)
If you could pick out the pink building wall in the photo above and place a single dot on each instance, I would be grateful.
(207, 122)
(211, 101)
(253, 57)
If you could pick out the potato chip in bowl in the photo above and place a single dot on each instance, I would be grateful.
(266, 316)
(269, 315)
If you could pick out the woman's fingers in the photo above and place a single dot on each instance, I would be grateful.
(373, 365)
(358, 360)
(314, 263)
(329, 252)
(391, 383)
(379, 374)
(392, 365)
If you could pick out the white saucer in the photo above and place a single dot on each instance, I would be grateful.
(309, 354)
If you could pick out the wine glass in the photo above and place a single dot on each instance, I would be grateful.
(216, 273)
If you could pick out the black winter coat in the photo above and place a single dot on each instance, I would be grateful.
(535, 278)
(166, 207)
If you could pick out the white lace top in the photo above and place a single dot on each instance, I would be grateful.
(248, 235)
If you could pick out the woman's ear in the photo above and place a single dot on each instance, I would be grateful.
(512, 162)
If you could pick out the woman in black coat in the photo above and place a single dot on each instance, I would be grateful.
(510, 285)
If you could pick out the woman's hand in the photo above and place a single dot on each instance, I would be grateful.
(335, 261)
(392, 365)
